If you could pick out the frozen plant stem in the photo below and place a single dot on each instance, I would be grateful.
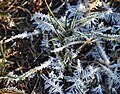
(30, 72)
(54, 16)
(22, 36)
(63, 47)
(102, 53)
(60, 37)
(44, 65)
(86, 42)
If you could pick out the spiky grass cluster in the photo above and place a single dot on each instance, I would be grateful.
(85, 46)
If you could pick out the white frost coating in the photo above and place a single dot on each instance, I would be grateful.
(102, 53)
(54, 87)
(30, 72)
(82, 8)
(61, 48)
(23, 35)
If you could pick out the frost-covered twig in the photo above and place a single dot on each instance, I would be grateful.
(107, 36)
(44, 65)
(30, 72)
(61, 48)
(22, 36)
(102, 53)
